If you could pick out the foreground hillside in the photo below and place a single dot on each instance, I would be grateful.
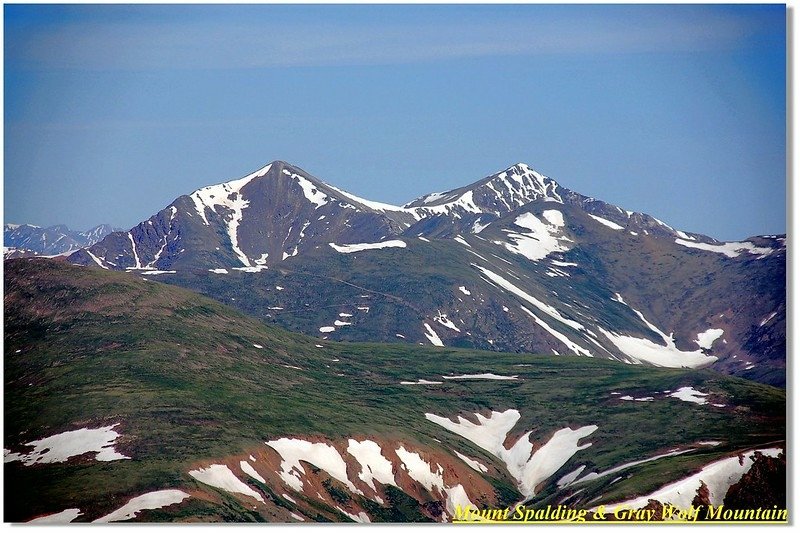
(138, 395)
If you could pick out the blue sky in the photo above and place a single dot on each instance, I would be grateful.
(677, 111)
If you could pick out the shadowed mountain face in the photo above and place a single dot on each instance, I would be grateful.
(513, 262)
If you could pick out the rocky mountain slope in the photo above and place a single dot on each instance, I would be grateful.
(127, 399)
(513, 263)
(25, 240)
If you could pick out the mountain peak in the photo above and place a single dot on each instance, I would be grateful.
(521, 167)
(496, 194)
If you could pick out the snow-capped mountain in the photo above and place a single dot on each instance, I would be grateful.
(514, 262)
(21, 240)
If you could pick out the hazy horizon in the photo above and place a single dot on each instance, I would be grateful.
(676, 111)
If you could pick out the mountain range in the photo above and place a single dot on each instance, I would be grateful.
(25, 240)
(513, 262)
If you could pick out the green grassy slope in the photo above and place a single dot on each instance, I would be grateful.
(180, 373)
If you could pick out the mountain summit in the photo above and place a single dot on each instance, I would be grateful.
(513, 262)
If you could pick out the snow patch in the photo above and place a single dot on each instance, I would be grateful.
(728, 249)
(541, 239)
(96, 259)
(464, 290)
(432, 336)
(529, 468)
(459, 239)
(352, 248)
(221, 477)
(567, 479)
(64, 517)
(319, 454)
(707, 338)
(151, 500)
(629, 398)
(374, 466)
(472, 463)
(688, 394)
(446, 322)
(578, 350)
(378, 206)
(59, 448)
(718, 477)
(482, 376)
(595, 475)
(665, 356)
(605, 222)
(310, 191)
(252, 269)
(248, 469)
(770, 317)
(507, 285)
(477, 227)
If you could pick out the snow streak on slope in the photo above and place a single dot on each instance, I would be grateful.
(64, 517)
(578, 350)
(221, 477)
(483, 376)
(472, 463)
(596, 475)
(228, 196)
(463, 204)
(374, 466)
(248, 469)
(422, 472)
(351, 248)
(718, 477)
(605, 222)
(151, 500)
(446, 322)
(432, 336)
(728, 249)
(507, 285)
(319, 454)
(529, 468)
(213, 195)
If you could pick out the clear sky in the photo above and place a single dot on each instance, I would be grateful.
(111, 112)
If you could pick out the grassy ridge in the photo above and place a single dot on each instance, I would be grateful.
(180, 373)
